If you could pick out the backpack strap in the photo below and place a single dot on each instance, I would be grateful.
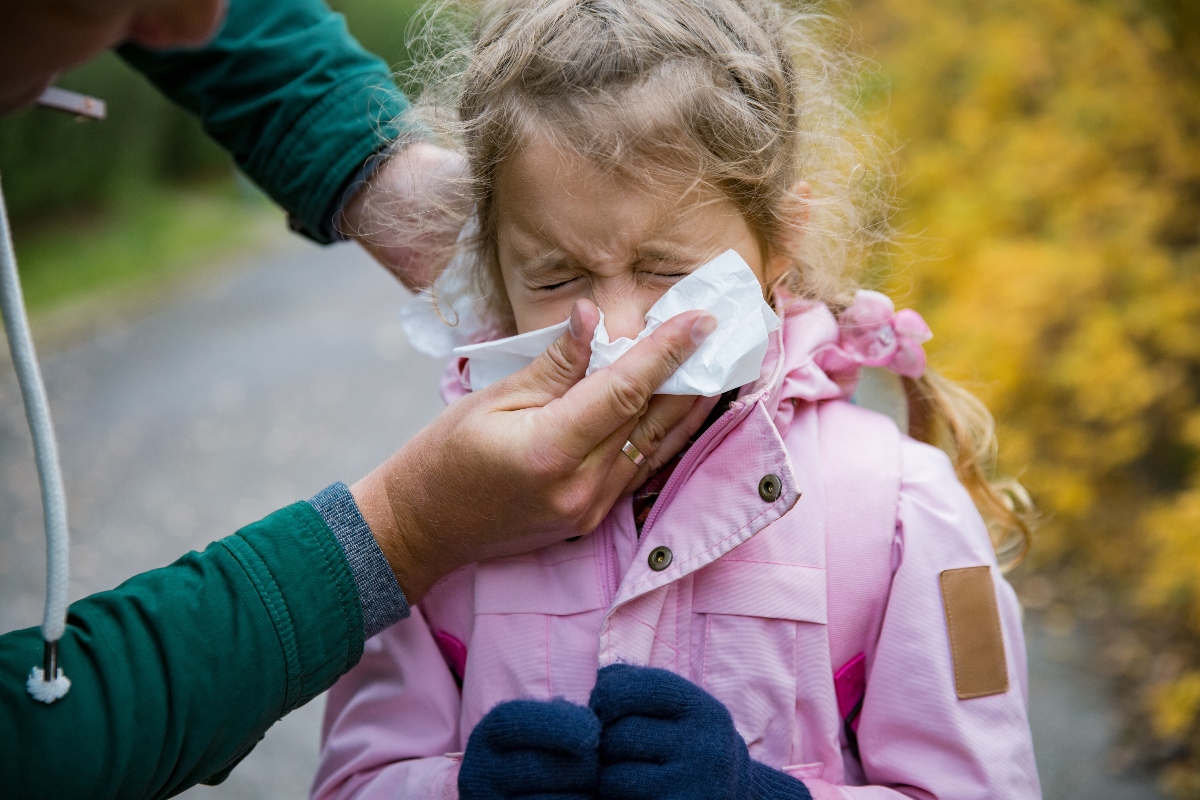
(860, 460)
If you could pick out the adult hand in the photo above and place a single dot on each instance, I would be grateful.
(664, 738)
(408, 217)
(532, 748)
(409, 214)
(533, 459)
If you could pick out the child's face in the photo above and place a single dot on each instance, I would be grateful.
(565, 231)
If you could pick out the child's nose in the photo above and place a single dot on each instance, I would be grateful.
(624, 302)
(623, 317)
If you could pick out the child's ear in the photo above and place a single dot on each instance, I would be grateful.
(796, 215)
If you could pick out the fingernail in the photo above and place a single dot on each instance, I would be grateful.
(703, 327)
(576, 324)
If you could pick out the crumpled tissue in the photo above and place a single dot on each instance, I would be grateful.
(424, 317)
(732, 356)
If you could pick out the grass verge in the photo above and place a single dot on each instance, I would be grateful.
(140, 241)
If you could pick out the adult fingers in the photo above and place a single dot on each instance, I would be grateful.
(657, 437)
(554, 372)
(410, 212)
(177, 23)
(601, 402)
(665, 429)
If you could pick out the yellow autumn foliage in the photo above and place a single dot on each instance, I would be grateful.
(1049, 157)
(1176, 704)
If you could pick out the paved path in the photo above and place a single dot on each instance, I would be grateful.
(261, 389)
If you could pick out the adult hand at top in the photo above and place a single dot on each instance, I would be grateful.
(533, 459)
(410, 211)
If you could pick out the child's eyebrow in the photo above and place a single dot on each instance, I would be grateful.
(554, 261)
(557, 261)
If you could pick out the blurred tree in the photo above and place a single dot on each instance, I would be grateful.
(49, 163)
(1051, 176)
(380, 25)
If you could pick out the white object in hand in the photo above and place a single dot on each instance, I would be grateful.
(732, 356)
(434, 325)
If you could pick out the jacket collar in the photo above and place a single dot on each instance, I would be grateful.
(712, 502)
(790, 373)
(724, 486)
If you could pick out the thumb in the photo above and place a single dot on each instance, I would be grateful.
(618, 394)
(563, 364)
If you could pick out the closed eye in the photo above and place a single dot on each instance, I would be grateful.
(655, 274)
(552, 286)
(669, 266)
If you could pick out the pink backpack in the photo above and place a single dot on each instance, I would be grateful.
(862, 490)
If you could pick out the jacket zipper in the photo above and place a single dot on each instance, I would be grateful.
(607, 544)
(686, 464)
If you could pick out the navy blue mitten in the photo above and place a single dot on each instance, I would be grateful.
(532, 749)
(664, 738)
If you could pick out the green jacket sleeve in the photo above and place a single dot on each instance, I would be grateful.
(291, 95)
(176, 674)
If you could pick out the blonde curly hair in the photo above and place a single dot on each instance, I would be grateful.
(751, 98)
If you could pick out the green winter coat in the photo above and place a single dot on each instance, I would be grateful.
(291, 95)
(177, 673)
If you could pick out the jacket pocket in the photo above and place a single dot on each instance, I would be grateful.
(753, 613)
(536, 585)
(758, 589)
(536, 634)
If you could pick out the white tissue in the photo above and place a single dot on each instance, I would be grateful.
(424, 317)
(491, 361)
(732, 356)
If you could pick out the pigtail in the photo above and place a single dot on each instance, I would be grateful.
(947, 416)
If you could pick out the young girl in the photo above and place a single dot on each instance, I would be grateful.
(825, 578)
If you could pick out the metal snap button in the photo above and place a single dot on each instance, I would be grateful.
(660, 558)
(770, 487)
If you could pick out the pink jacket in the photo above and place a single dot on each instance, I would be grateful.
(743, 609)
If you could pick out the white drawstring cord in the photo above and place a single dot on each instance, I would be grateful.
(46, 683)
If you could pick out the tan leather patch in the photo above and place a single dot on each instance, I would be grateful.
(976, 642)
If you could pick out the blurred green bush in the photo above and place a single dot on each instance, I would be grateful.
(51, 164)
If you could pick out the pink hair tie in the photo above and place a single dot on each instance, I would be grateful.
(871, 333)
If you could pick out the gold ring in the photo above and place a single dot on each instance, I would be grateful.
(634, 454)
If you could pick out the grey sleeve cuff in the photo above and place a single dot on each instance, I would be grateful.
(383, 603)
